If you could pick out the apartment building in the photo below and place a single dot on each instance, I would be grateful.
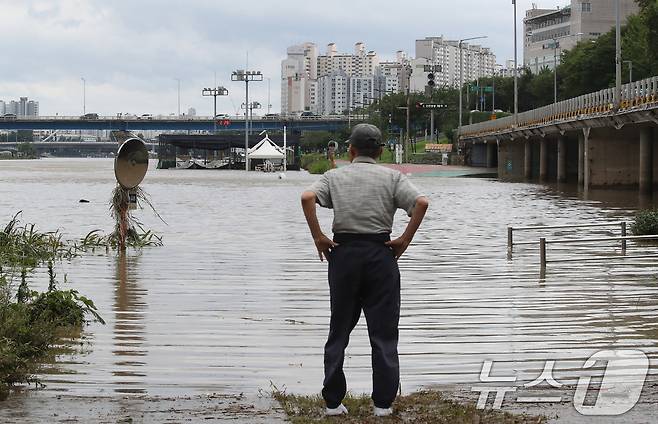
(298, 79)
(333, 93)
(21, 107)
(547, 32)
(446, 59)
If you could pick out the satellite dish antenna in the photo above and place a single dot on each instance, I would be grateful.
(131, 163)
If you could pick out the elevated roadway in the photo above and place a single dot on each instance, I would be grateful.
(584, 140)
(174, 123)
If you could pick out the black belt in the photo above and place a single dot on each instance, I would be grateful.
(348, 237)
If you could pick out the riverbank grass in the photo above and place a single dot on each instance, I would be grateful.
(423, 407)
(31, 322)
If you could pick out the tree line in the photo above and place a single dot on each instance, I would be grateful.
(588, 67)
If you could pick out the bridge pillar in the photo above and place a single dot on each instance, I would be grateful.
(562, 159)
(586, 165)
(646, 160)
(543, 159)
(527, 160)
(581, 159)
(492, 152)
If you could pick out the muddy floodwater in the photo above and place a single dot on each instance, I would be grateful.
(237, 299)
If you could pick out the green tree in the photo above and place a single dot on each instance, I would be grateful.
(26, 150)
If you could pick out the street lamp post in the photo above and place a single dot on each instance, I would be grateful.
(461, 77)
(493, 94)
(269, 101)
(516, 70)
(84, 96)
(246, 76)
(178, 80)
(214, 92)
(555, 46)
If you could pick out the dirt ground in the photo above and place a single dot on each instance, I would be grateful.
(41, 407)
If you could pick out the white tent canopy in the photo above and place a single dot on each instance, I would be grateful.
(266, 149)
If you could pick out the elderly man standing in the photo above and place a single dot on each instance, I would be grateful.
(363, 269)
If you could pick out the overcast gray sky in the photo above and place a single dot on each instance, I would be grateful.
(131, 51)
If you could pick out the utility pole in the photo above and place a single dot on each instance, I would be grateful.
(214, 92)
(246, 76)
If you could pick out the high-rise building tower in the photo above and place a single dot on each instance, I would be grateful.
(562, 28)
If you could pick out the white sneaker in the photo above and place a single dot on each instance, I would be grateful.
(382, 412)
(332, 412)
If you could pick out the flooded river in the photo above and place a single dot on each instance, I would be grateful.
(237, 298)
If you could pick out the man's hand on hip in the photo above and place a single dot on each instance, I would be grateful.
(324, 244)
(399, 246)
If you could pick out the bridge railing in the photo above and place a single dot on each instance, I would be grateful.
(635, 94)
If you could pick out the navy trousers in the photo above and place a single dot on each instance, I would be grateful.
(363, 275)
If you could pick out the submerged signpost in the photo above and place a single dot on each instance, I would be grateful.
(130, 166)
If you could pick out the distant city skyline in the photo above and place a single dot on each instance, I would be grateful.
(132, 53)
(19, 107)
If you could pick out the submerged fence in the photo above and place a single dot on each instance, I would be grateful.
(543, 243)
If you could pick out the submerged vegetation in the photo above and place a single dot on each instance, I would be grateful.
(424, 407)
(128, 231)
(31, 322)
(645, 223)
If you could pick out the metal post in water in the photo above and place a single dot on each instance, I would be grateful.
(623, 241)
(285, 149)
(510, 238)
(542, 256)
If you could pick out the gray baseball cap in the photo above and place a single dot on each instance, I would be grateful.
(365, 136)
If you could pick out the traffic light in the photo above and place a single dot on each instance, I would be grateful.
(430, 79)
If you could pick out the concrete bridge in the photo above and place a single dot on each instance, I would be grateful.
(73, 148)
(184, 123)
(583, 140)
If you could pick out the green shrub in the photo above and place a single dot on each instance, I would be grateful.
(645, 223)
(309, 158)
(319, 167)
(315, 163)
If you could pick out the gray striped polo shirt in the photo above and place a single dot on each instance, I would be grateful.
(365, 196)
